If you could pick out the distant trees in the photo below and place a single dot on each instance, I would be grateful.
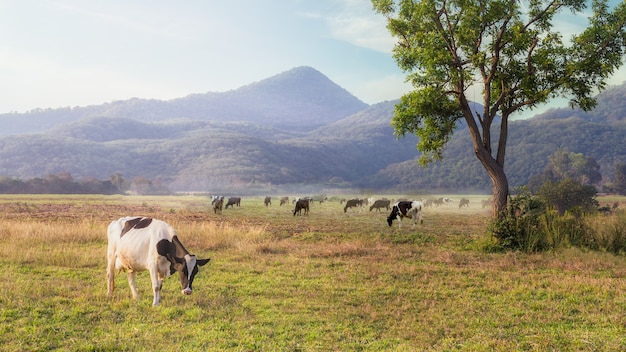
(63, 183)
(568, 194)
(564, 165)
(619, 182)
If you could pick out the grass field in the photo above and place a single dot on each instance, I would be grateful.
(328, 281)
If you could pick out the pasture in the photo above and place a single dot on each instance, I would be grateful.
(277, 282)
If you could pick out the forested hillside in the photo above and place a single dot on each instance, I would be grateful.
(332, 141)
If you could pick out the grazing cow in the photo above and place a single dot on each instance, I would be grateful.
(380, 203)
(284, 200)
(353, 203)
(485, 203)
(139, 243)
(267, 201)
(463, 203)
(218, 204)
(408, 209)
(232, 201)
(301, 204)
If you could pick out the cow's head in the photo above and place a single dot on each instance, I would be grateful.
(182, 265)
(393, 215)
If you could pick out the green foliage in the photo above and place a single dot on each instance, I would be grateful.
(619, 183)
(563, 165)
(569, 194)
(530, 226)
(518, 227)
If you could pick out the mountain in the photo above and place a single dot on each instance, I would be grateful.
(290, 133)
(299, 99)
(599, 134)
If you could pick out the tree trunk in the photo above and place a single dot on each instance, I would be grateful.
(500, 185)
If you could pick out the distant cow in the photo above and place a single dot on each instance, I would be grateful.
(353, 203)
(218, 204)
(408, 209)
(463, 203)
(232, 201)
(485, 203)
(267, 201)
(301, 204)
(380, 203)
(284, 200)
(139, 243)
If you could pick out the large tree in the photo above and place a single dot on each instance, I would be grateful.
(506, 53)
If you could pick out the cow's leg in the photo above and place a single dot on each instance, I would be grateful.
(157, 283)
(132, 276)
(110, 273)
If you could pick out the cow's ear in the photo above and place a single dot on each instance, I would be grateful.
(175, 260)
(201, 262)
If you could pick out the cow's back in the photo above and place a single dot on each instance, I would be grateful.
(136, 248)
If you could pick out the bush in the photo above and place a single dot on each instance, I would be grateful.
(518, 228)
(528, 225)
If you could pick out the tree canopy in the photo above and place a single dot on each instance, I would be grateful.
(507, 52)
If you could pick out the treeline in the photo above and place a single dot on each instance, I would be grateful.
(63, 183)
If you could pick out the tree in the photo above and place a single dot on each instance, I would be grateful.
(563, 164)
(508, 51)
(619, 182)
(567, 194)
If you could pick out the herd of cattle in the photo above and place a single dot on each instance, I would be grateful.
(140, 243)
(399, 209)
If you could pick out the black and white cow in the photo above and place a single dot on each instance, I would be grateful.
(408, 209)
(139, 243)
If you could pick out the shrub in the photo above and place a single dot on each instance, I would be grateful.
(529, 225)
(518, 228)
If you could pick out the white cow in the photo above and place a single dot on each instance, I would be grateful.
(138, 243)
(409, 209)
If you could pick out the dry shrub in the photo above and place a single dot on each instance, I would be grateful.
(607, 232)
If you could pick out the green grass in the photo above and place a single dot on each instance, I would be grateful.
(329, 281)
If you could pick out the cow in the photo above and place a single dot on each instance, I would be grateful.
(232, 201)
(380, 203)
(138, 243)
(218, 204)
(301, 204)
(267, 201)
(463, 203)
(284, 200)
(353, 203)
(409, 209)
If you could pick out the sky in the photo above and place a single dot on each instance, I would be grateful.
(68, 53)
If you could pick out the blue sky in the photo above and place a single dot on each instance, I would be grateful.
(58, 53)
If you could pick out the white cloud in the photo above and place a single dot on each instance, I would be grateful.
(356, 22)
